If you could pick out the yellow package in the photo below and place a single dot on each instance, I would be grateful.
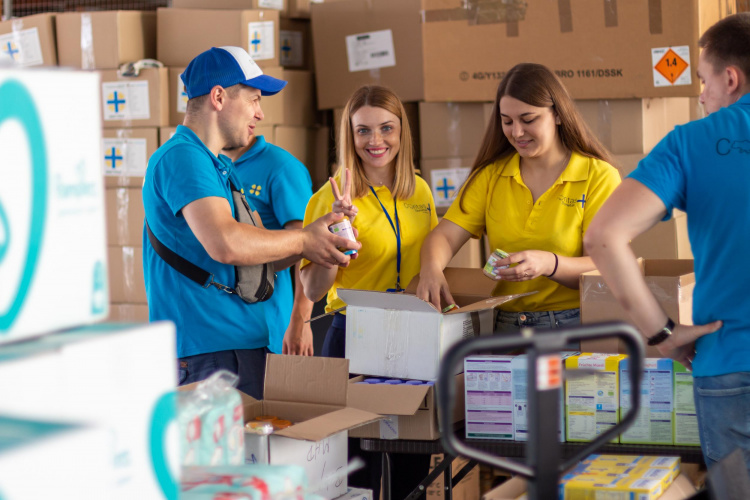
(607, 462)
(612, 488)
(664, 476)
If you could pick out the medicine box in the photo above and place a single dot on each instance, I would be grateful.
(653, 424)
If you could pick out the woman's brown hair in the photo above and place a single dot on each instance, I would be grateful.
(404, 181)
(537, 86)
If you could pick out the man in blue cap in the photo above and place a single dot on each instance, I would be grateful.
(189, 208)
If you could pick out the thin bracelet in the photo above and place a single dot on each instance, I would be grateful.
(555, 269)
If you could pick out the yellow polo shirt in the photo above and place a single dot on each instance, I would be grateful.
(375, 267)
(499, 203)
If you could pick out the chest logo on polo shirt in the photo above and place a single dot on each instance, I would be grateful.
(572, 202)
(255, 189)
(726, 146)
(421, 208)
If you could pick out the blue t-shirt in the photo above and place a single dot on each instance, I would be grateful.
(703, 168)
(279, 187)
(208, 320)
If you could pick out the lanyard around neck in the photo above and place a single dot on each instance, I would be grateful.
(397, 231)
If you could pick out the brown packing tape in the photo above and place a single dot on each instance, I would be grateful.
(610, 13)
(654, 17)
(482, 12)
(604, 123)
(566, 16)
(87, 42)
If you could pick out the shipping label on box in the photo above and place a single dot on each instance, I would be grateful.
(685, 417)
(372, 50)
(124, 157)
(654, 422)
(261, 43)
(592, 400)
(489, 397)
(21, 48)
(445, 184)
(125, 100)
(51, 204)
(292, 48)
(671, 66)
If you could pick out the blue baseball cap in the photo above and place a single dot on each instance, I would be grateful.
(226, 66)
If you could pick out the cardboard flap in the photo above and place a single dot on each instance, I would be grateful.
(306, 379)
(387, 399)
(385, 300)
(321, 427)
(488, 303)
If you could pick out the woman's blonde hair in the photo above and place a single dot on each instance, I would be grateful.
(536, 85)
(404, 181)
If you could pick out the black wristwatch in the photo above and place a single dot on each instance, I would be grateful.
(663, 334)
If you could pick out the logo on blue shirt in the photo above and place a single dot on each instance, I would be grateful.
(726, 146)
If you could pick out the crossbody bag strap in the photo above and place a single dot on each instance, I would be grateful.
(183, 266)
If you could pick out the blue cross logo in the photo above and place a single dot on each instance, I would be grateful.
(255, 42)
(582, 201)
(11, 50)
(116, 101)
(447, 188)
(286, 48)
(113, 157)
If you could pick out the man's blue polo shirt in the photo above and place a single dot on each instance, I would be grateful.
(279, 187)
(208, 320)
(703, 168)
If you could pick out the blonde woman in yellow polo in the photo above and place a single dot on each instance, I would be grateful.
(538, 180)
(391, 208)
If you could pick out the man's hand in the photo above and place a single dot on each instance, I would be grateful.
(680, 346)
(322, 247)
(298, 339)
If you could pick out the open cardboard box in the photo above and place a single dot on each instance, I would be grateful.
(311, 392)
(400, 335)
(410, 410)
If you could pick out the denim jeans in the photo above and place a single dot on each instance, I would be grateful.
(722, 404)
(334, 345)
(512, 322)
(249, 364)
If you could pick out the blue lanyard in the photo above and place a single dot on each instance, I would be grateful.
(397, 231)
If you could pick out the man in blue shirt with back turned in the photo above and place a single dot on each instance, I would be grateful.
(702, 168)
(189, 208)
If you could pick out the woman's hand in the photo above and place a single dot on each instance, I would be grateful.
(530, 264)
(343, 203)
(432, 286)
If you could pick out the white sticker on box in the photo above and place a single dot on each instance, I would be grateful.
(292, 48)
(21, 48)
(671, 66)
(126, 100)
(446, 183)
(124, 157)
(389, 427)
(182, 97)
(271, 4)
(370, 50)
(261, 44)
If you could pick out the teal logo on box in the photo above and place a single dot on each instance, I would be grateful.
(18, 105)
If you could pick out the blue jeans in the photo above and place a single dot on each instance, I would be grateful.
(249, 364)
(512, 322)
(722, 404)
(334, 345)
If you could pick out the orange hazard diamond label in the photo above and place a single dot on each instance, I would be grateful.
(671, 66)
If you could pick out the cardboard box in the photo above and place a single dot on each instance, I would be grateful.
(311, 392)
(135, 101)
(293, 105)
(177, 97)
(655, 421)
(451, 129)
(128, 313)
(489, 397)
(468, 49)
(685, 418)
(105, 39)
(356, 494)
(109, 376)
(410, 411)
(295, 44)
(125, 216)
(672, 282)
(469, 256)
(680, 489)
(73, 461)
(126, 275)
(300, 9)
(125, 155)
(400, 335)
(185, 33)
(52, 232)
(29, 41)
(633, 126)
(445, 177)
(592, 401)
(666, 240)
(467, 489)
(166, 133)
(359, 42)
(280, 5)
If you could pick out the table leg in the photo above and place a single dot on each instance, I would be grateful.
(444, 467)
(386, 486)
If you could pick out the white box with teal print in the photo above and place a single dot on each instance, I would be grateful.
(685, 418)
(653, 424)
(113, 376)
(489, 387)
(52, 230)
